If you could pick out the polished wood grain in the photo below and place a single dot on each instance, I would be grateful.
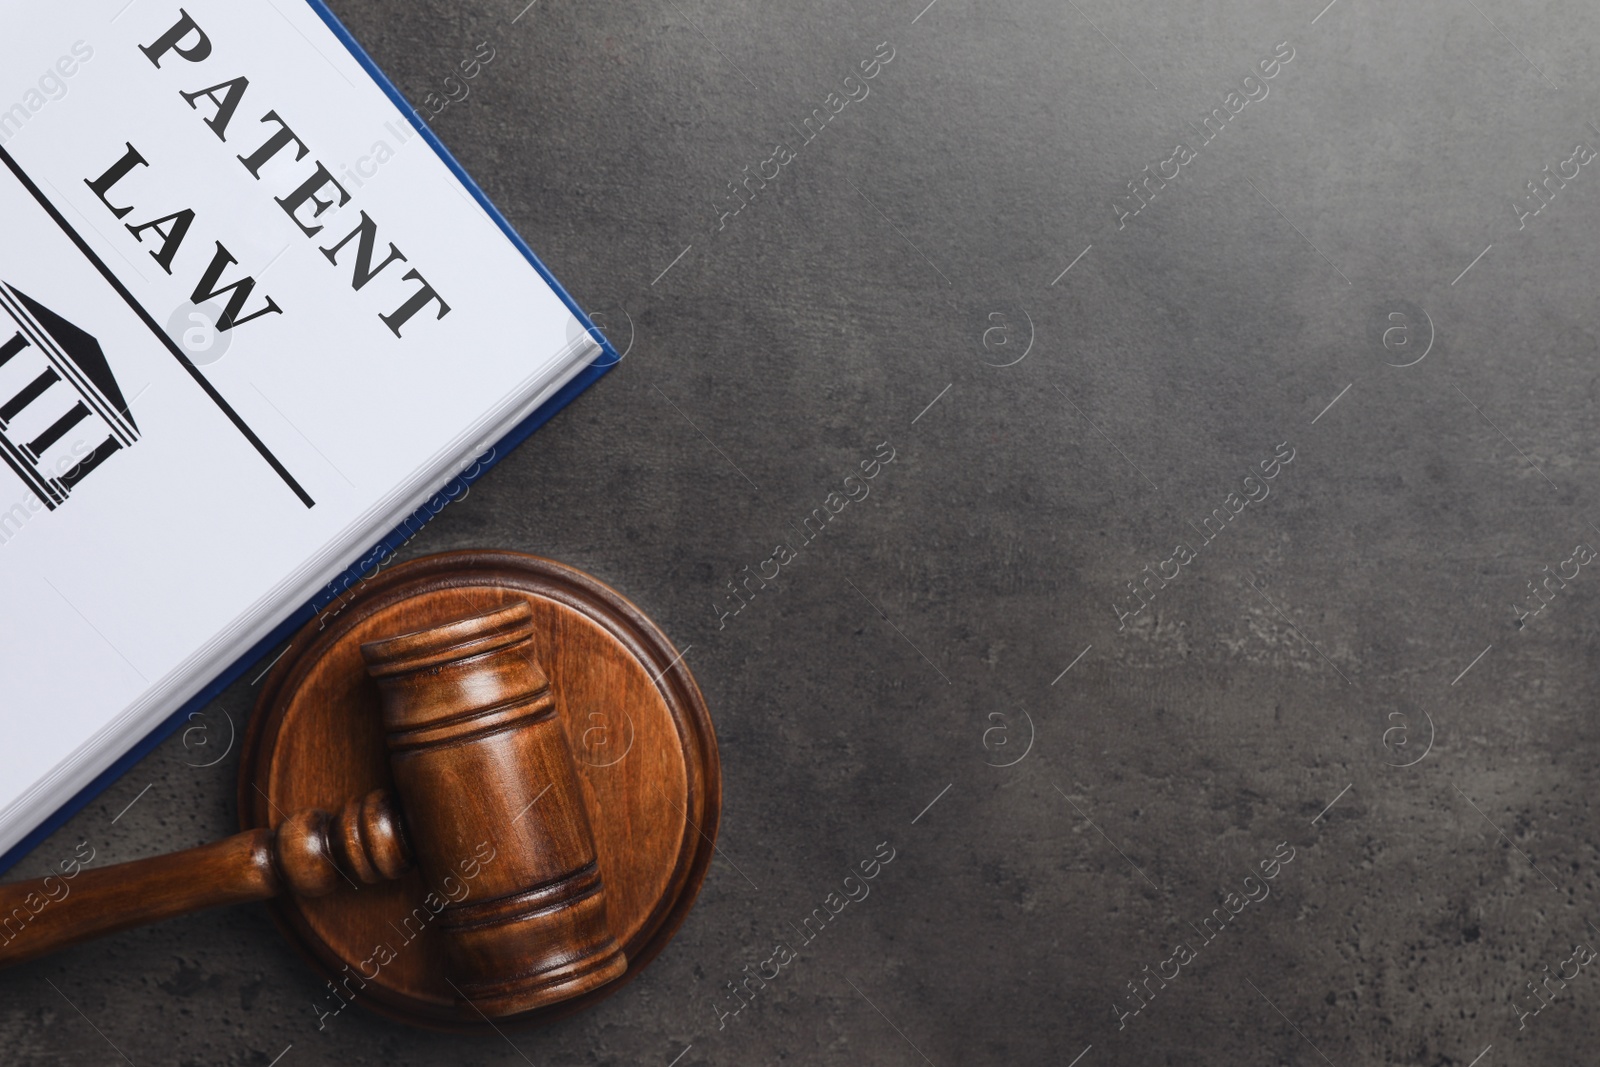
(485, 788)
(473, 734)
(635, 724)
(308, 854)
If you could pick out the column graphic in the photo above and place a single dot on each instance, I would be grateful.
(62, 413)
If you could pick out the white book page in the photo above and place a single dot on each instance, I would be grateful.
(186, 508)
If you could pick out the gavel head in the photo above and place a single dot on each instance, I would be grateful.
(485, 778)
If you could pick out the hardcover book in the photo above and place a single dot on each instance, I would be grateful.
(253, 317)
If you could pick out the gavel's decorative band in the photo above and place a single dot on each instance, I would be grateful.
(472, 725)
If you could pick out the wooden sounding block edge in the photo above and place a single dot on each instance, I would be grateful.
(483, 787)
(643, 758)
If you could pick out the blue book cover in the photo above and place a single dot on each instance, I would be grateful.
(221, 332)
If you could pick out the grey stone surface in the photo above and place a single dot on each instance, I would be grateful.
(1267, 694)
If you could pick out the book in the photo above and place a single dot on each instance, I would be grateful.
(255, 325)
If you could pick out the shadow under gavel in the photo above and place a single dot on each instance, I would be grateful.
(478, 753)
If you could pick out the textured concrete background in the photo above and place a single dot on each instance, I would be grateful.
(1363, 616)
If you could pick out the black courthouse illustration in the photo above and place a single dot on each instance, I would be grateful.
(64, 414)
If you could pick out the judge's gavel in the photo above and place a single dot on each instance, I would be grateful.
(484, 780)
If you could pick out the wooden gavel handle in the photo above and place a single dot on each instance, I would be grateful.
(309, 854)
